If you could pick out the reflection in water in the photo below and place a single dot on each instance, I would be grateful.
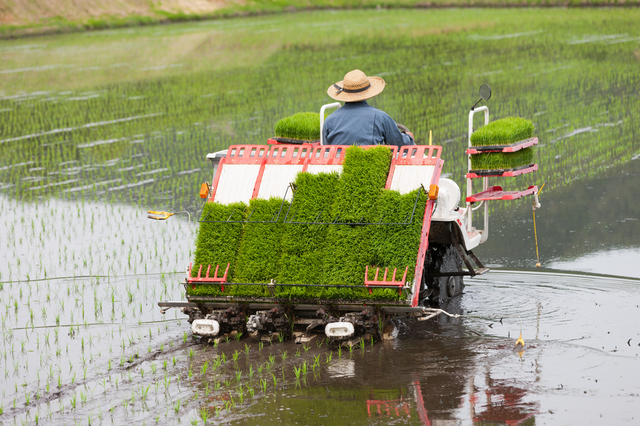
(469, 371)
(501, 403)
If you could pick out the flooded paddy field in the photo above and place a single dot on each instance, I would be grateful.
(88, 145)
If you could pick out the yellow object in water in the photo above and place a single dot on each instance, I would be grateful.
(520, 340)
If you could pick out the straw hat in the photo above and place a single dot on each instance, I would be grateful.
(355, 87)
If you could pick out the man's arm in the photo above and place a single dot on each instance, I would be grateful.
(392, 135)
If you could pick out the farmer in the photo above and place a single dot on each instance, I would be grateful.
(357, 122)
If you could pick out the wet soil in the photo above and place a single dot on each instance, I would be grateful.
(88, 345)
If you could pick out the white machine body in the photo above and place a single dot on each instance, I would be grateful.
(339, 330)
(205, 327)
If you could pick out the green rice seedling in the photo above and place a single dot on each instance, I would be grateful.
(263, 385)
(236, 354)
(328, 357)
(205, 367)
(275, 380)
(238, 375)
(284, 355)
(339, 351)
(259, 250)
(204, 414)
(301, 126)
(217, 243)
(238, 336)
(504, 131)
(246, 349)
(303, 245)
(144, 392)
(251, 371)
(176, 406)
(499, 160)
(297, 371)
(348, 249)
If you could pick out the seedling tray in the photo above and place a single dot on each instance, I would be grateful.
(496, 193)
(274, 140)
(516, 171)
(516, 146)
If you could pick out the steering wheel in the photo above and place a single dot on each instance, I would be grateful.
(403, 128)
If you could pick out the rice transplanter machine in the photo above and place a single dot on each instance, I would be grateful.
(445, 253)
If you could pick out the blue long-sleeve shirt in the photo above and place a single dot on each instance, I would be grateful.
(358, 123)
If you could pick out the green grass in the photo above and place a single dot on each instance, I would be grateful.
(499, 160)
(83, 20)
(504, 131)
(302, 126)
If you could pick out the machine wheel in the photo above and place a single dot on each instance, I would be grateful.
(440, 259)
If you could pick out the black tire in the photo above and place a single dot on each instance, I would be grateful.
(438, 291)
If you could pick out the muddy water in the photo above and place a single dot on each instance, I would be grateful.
(84, 342)
(579, 364)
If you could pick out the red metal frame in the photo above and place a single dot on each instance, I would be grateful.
(510, 148)
(207, 279)
(419, 155)
(289, 154)
(247, 154)
(505, 174)
(384, 281)
(242, 154)
(424, 235)
(496, 193)
(303, 154)
(327, 155)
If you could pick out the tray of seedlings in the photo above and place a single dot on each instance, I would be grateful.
(502, 148)
(300, 128)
